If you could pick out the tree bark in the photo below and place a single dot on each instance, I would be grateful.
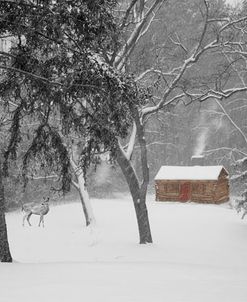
(139, 199)
(84, 196)
(88, 221)
(85, 200)
(5, 255)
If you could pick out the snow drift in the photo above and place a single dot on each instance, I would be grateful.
(199, 254)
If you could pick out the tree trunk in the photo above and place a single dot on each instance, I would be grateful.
(83, 204)
(88, 220)
(5, 255)
(139, 199)
(84, 196)
(82, 190)
(143, 221)
(80, 183)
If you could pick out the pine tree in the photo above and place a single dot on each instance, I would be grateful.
(57, 71)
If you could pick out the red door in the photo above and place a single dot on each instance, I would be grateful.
(184, 191)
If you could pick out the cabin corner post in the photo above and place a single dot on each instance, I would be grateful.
(156, 190)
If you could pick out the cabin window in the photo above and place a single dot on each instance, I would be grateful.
(198, 188)
(172, 188)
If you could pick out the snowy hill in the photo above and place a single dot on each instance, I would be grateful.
(199, 254)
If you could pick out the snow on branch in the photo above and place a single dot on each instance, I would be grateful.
(140, 26)
(155, 71)
(127, 13)
(161, 104)
(178, 42)
(231, 120)
(161, 144)
(225, 149)
(176, 74)
(131, 143)
(220, 95)
(231, 23)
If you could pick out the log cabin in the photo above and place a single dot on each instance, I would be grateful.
(202, 184)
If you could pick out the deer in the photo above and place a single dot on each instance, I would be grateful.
(36, 209)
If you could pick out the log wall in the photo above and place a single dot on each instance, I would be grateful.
(161, 190)
(222, 191)
(216, 191)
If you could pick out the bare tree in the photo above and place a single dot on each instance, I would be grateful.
(173, 89)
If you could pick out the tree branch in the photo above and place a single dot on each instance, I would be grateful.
(225, 149)
(231, 120)
(75, 184)
(131, 142)
(128, 47)
(127, 13)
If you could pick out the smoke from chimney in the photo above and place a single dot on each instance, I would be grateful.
(201, 142)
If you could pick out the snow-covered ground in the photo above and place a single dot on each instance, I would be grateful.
(199, 254)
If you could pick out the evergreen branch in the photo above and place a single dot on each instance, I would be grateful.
(15, 138)
(7, 54)
(48, 144)
(37, 77)
(51, 82)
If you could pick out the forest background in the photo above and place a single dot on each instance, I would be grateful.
(182, 129)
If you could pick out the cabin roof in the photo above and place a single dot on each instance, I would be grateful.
(189, 172)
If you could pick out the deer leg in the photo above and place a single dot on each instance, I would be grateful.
(41, 219)
(28, 217)
(23, 220)
(245, 212)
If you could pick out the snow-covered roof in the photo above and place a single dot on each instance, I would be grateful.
(189, 172)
